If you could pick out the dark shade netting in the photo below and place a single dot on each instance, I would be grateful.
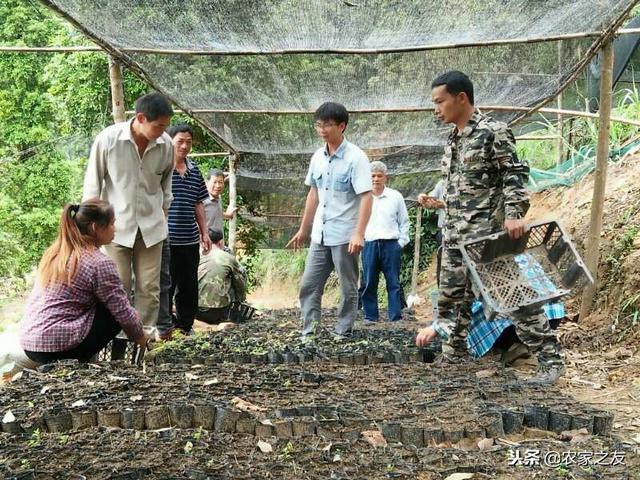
(253, 71)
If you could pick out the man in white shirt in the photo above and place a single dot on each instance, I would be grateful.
(386, 234)
(336, 212)
(130, 166)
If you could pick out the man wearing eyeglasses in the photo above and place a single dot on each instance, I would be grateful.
(336, 212)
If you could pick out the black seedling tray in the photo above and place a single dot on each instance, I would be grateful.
(241, 312)
(122, 349)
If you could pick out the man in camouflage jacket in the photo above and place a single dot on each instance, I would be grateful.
(485, 192)
(221, 281)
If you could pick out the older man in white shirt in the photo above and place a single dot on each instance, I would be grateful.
(130, 166)
(386, 234)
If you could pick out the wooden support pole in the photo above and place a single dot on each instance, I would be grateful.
(560, 142)
(416, 252)
(117, 90)
(600, 180)
(232, 202)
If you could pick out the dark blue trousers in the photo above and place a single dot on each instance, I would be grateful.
(381, 256)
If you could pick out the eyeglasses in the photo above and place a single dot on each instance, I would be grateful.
(324, 126)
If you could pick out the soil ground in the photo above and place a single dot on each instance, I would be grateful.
(603, 363)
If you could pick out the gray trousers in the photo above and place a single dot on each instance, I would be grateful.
(321, 261)
(165, 320)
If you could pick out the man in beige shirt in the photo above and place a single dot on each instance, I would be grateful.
(130, 166)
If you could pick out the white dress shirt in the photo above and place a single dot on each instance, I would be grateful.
(138, 188)
(389, 218)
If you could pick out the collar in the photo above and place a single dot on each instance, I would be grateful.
(339, 153)
(384, 193)
(472, 124)
(214, 199)
(125, 133)
(190, 165)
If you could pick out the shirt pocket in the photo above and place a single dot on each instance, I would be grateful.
(341, 182)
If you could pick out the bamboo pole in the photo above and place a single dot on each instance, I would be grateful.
(495, 108)
(560, 141)
(210, 154)
(600, 180)
(537, 137)
(51, 49)
(117, 90)
(360, 51)
(232, 202)
(416, 252)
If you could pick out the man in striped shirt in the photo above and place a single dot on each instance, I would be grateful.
(187, 228)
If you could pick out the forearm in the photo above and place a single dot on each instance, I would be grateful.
(516, 196)
(201, 219)
(92, 186)
(310, 207)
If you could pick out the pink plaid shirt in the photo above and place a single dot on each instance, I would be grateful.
(60, 316)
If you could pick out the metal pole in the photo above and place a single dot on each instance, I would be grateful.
(416, 252)
(232, 202)
(117, 90)
(597, 204)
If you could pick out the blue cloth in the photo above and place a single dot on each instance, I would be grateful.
(187, 191)
(340, 179)
(483, 334)
(381, 256)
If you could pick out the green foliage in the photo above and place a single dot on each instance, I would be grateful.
(249, 235)
(51, 106)
(278, 265)
(428, 230)
(543, 154)
(622, 247)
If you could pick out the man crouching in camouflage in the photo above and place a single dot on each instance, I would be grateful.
(484, 193)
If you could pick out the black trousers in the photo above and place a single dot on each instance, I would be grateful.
(103, 330)
(213, 316)
(184, 283)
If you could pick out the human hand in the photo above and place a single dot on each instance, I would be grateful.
(231, 211)
(205, 241)
(426, 336)
(356, 244)
(297, 241)
(515, 228)
(429, 202)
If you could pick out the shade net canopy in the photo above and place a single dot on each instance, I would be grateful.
(253, 72)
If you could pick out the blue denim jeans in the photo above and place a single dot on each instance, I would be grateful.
(381, 256)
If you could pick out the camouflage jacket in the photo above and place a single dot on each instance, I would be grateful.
(485, 182)
(221, 280)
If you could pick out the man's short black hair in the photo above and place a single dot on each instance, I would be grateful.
(215, 235)
(154, 106)
(456, 82)
(214, 172)
(173, 130)
(332, 111)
